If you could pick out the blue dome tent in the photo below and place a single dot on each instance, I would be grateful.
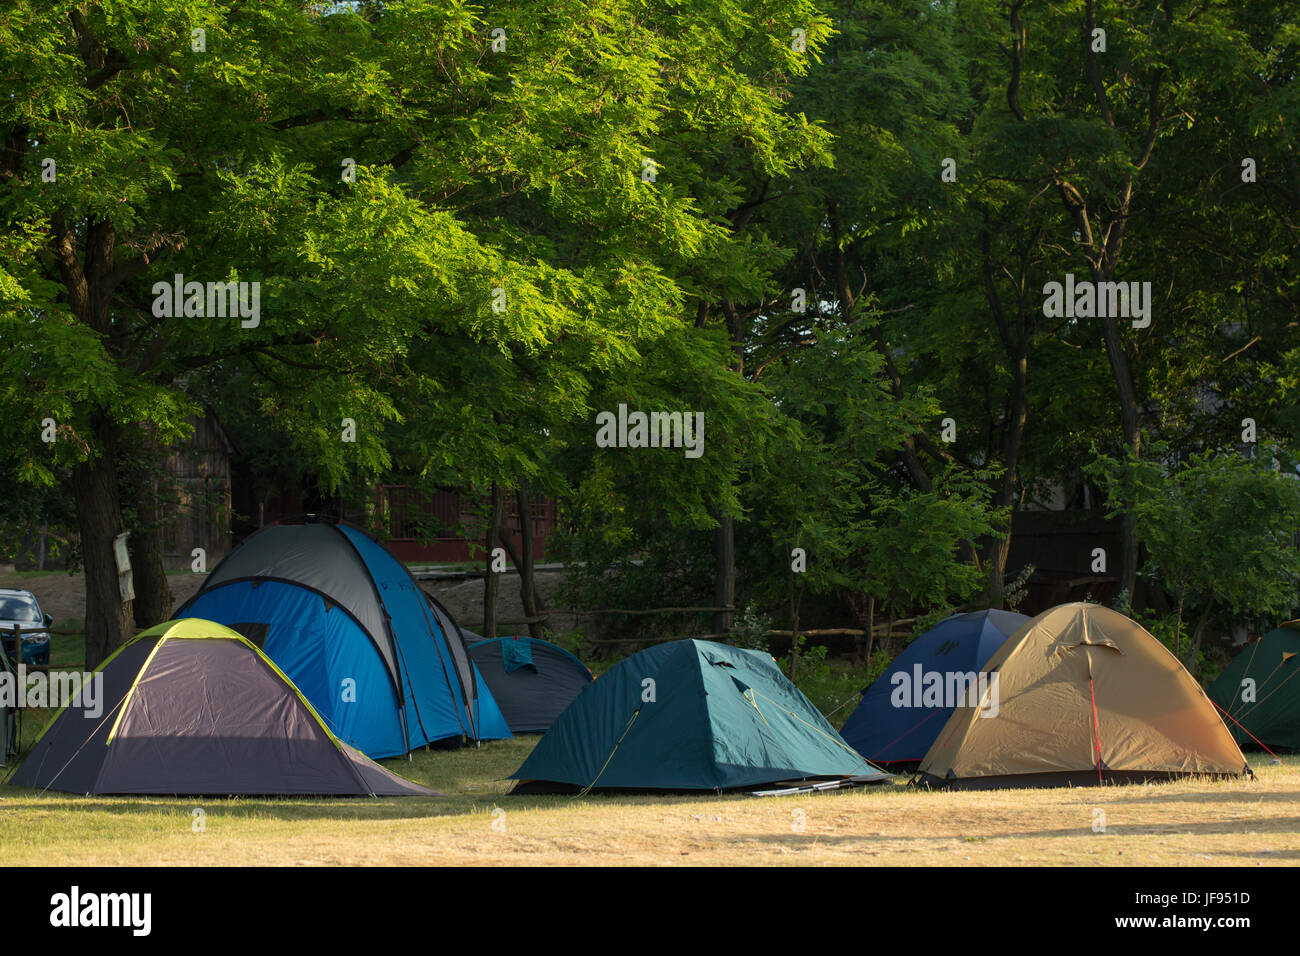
(346, 622)
(891, 735)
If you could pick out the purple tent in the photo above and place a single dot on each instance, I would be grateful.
(191, 707)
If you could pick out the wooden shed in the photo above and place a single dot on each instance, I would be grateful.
(197, 508)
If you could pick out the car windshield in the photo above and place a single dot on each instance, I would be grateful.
(19, 609)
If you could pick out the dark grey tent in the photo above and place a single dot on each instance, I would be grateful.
(191, 707)
(532, 681)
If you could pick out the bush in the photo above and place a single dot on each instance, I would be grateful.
(832, 686)
(753, 629)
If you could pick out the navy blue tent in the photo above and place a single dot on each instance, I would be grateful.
(888, 728)
(532, 681)
(347, 623)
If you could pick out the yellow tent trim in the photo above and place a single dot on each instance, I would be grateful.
(131, 690)
(199, 629)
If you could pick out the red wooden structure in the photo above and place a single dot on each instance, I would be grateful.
(447, 526)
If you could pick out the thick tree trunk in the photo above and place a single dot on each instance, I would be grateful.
(140, 497)
(995, 556)
(153, 595)
(99, 519)
(490, 580)
(527, 581)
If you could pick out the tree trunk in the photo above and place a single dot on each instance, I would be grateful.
(1178, 628)
(99, 519)
(1132, 428)
(794, 630)
(1198, 636)
(490, 578)
(724, 578)
(153, 596)
(995, 555)
(724, 538)
(1012, 441)
(524, 562)
(871, 629)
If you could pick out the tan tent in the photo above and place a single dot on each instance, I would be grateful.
(1081, 695)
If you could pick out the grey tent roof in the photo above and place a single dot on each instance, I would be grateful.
(315, 556)
(456, 638)
(191, 707)
(350, 572)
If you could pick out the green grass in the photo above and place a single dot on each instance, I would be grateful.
(67, 651)
(474, 821)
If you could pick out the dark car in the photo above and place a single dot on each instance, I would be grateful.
(21, 608)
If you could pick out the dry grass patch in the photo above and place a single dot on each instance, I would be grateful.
(1196, 822)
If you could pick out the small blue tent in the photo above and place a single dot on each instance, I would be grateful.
(346, 622)
(887, 734)
(689, 715)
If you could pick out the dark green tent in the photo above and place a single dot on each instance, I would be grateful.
(1258, 692)
(689, 715)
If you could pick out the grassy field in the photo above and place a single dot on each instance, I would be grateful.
(1195, 822)
(1241, 823)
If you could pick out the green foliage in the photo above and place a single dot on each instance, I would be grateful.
(1220, 528)
(619, 208)
(1170, 632)
(928, 527)
(753, 629)
(475, 171)
(833, 686)
(1017, 589)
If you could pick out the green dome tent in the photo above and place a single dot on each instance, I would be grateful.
(1258, 694)
(689, 715)
(191, 707)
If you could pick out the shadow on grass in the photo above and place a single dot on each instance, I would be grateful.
(1152, 795)
(24, 799)
(1263, 855)
(1115, 832)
